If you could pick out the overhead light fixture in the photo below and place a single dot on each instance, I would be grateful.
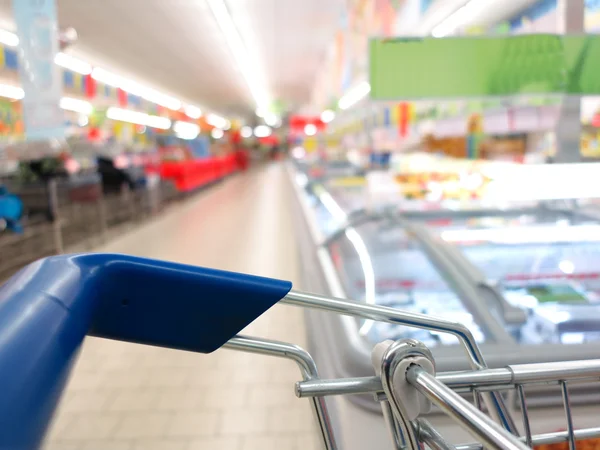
(16, 93)
(354, 95)
(161, 123)
(161, 99)
(262, 131)
(73, 64)
(82, 121)
(8, 38)
(271, 120)
(193, 112)
(76, 105)
(327, 116)
(106, 77)
(246, 132)
(310, 129)
(186, 130)
(566, 266)
(245, 61)
(217, 121)
(460, 17)
(103, 76)
(111, 79)
(139, 118)
(217, 133)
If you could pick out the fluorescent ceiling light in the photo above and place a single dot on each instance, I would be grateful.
(354, 95)
(139, 118)
(460, 17)
(327, 116)
(566, 266)
(193, 112)
(245, 61)
(186, 130)
(217, 121)
(106, 77)
(161, 99)
(246, 132)
(71, 63)
(82, 121)
(16, 93)
(8, 38)
(217, 133)
(76, 105)
(310, 129)
(162, 123)
(271, 120)
(262, 131)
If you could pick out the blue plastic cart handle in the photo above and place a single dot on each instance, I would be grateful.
(49, 306)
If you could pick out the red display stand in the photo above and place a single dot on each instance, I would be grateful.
(193, 174)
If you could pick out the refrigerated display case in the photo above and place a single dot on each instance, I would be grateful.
(531, 266)
(514, 293)
(546, 264)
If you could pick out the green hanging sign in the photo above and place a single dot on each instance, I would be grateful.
(411, 68)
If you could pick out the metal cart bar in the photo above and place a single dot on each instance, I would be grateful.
(389, 315)
(489, 432)
(540, 439)
(383, 314)
(307, 366)
(493, 378)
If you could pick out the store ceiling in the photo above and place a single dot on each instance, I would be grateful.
(176, 45)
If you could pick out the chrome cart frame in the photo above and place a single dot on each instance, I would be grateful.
(47, 309)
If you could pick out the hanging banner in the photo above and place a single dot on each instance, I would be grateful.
(41, 79)
(484, 66)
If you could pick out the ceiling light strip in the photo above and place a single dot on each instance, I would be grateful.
(13, 92)
(76, 105)
(186, 130)
(103, 76)
(240, 52)
(139, 118)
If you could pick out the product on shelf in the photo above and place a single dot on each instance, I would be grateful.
(11, 210)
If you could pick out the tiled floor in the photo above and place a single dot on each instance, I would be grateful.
(129, 397)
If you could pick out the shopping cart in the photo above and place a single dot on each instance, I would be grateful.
(48, 307)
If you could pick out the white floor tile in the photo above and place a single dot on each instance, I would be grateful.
(143, 425)
(214, 443)
(247, 421)
(193, 424)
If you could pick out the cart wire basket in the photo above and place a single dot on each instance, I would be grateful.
(48, 308)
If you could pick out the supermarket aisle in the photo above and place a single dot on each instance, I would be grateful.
(130, 397)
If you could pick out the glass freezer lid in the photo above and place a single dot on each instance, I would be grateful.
(333, 206)
(551, 269)
(378, 262)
